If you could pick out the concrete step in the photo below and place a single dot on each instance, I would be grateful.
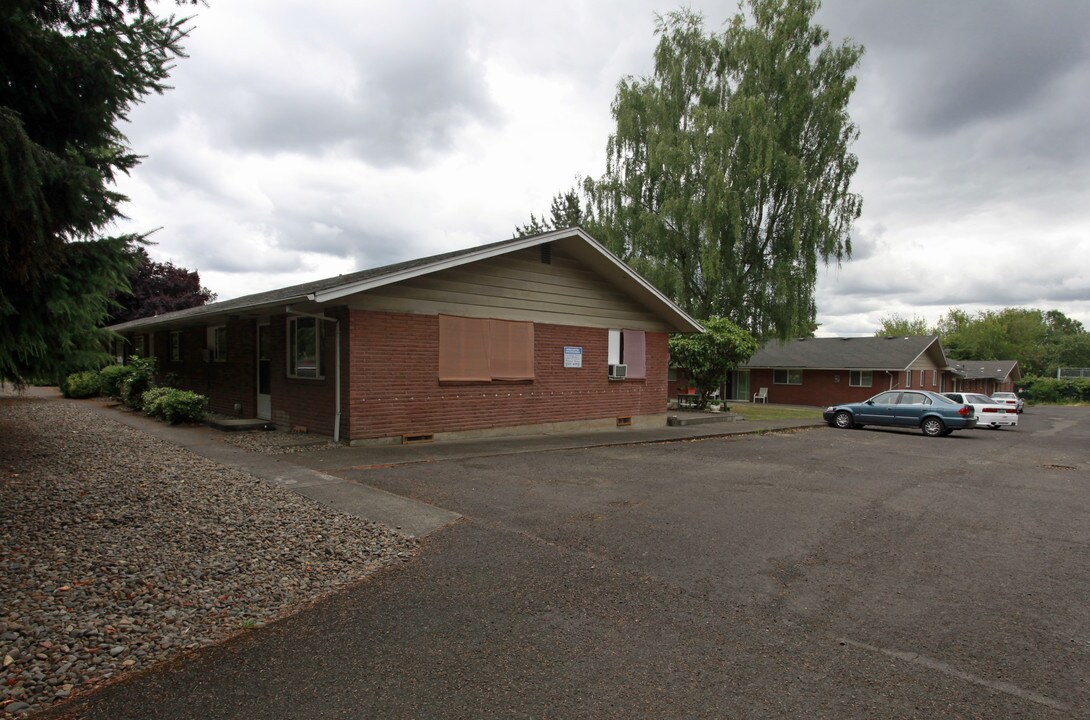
(230, 424)
(702, 418)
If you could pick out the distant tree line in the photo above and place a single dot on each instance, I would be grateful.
(1040, 340)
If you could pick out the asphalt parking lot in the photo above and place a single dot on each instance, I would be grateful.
(813, 573)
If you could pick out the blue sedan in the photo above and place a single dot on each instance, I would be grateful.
(930, 412)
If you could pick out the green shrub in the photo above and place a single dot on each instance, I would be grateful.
(141, 379)
(152, 401)
(1055, 391)
(178, 406)
(81, 385)
(111, 378)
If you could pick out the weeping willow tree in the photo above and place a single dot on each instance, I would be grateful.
(728, 176)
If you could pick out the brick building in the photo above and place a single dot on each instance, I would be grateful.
(986, 376)
(547, 331)
(829, 371)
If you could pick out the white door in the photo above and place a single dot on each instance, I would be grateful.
(264, 373)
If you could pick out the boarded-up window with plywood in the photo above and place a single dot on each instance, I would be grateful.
(482, 350)
(634, 353)
(511, 353)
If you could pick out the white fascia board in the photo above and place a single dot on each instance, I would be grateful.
(682, 319)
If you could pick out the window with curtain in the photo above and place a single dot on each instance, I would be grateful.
(787, 377)
(478, 350)
(860, 378)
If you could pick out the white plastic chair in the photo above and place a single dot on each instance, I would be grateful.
(761, 395)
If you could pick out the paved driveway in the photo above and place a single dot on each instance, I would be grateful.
(820, 573)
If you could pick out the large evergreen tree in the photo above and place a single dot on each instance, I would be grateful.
(728, 176)
(70, 71)
(566, 211)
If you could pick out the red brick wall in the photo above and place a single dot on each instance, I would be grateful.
(224, 383)
(305, 402)
(395, 388)
(821, 387)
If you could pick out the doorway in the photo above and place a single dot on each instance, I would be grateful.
(740, 385)
(264, 372)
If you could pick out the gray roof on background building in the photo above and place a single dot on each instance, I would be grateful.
(862, 353)
(984, 369)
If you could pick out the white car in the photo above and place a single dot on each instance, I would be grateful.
(989, 413)
(1008, 398)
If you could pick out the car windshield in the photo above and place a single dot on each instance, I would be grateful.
(983, 399)
(944, 399)
(1005, 396)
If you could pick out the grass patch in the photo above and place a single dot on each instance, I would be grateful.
(775, 412)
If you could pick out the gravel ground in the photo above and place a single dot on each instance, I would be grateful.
(118, 550)
(277, 442)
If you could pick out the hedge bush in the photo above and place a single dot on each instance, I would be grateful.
(110, 379)
(140, 380)
(81, 385)
(1054, 391)
(173, 405)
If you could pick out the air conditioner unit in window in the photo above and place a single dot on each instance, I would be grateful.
(618, 372)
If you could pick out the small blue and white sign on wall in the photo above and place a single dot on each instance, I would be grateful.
(573, 356)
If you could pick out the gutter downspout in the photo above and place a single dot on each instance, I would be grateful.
(336, 365)
(890, 379)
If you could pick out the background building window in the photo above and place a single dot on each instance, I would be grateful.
(787, 377)
(305, 348)
(176, 346)
(860, 378)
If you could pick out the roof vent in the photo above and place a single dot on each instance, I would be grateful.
(547, 254)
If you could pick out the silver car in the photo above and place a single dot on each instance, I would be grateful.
(1008, 398)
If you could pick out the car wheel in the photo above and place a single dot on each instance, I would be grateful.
(994, 427)
(843, 420)
(932, 427)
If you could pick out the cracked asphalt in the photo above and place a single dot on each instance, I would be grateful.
(816, 573)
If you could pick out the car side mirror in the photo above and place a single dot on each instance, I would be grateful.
(870, 402)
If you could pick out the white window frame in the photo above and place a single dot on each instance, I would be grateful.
(856, 378)
(293, 355)
(791, 376)
(217, 343)
(613, 350)
(908, 379)
(139, 345)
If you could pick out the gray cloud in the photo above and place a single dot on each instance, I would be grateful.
(388, 92)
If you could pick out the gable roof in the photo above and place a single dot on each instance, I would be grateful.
(590, 250)
(851, 353)
(987, 369)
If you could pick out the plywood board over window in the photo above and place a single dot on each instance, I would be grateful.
(463, 349)
(635, 353)
(511, 353)
(484, 350)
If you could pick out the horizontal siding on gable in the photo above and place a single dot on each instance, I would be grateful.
(515, 287)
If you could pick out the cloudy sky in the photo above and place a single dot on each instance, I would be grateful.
(303, 140)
